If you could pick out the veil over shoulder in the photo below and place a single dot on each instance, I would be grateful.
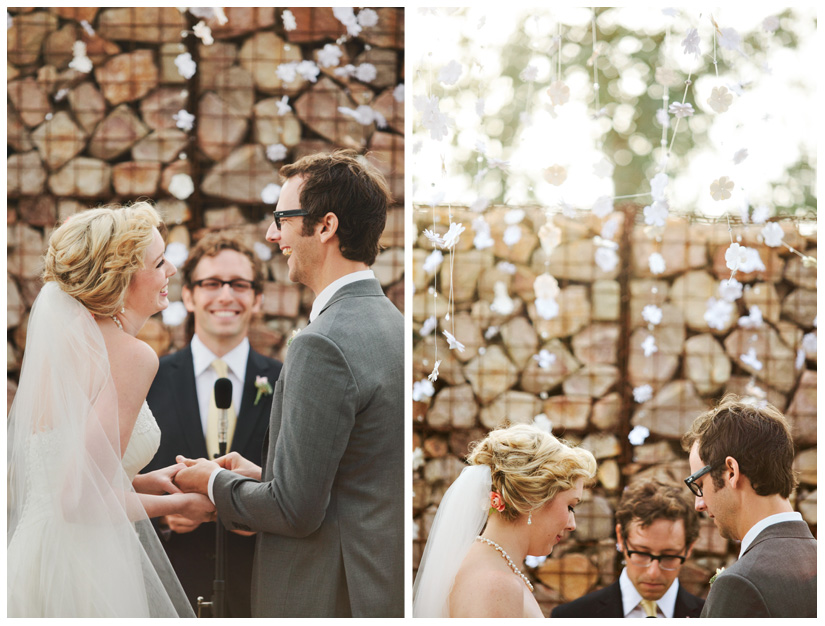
(79, 541)
(460, 518)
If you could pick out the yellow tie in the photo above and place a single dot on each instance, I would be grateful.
(212, 419)
(649, 607)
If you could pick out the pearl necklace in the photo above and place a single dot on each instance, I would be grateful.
(507, 558)
(117, 321)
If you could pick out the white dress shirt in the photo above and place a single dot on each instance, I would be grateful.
(205, 375)
(631, 598)
(762, 524)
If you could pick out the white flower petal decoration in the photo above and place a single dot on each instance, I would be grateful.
(512, 235)
(364, 114)
(809, 343)
(730, 290)
(691, 43)
(750, 359)
(610, 227)
(204, 33)
(398, 92)
(181, 186)
(534, 561)
(529, 74)
(271, 193)
(547, 308)
(423, 389)
(483, 240)
(740, 155)
(735, 256)
(480, 204)
(452, 236)
(184, 120)
(346, 16)
(543, 422)
(720, 189)
(176, 253)
(718, 313)
(454, 343)
(175, 314)
(367, 18)
(656, 263)
(729, 39)
(546, 286)
(649, 345)
(545, 359)
(642, 393)
(276, 152)
(432, 118)
(262, 251)
(417, 463)
(186, 65)
(555, 175)
(720, 99)
(652, 314)
(606, 259)
(366, 72)
(603, 168)
(330, 55)
(287, 72)
(502, 302)
(433, 261)
(680, 109)
(559, 93)
(550, 237)
(753, 262)
(509, 268)
(308, 70)
(773, 234)
(434, 374)
(283, 106)
(491, 332)
(428, 326)
(603, 206)
(753, 319)
(799, 363)
(663, 118)
(433, 238)
(80, 61)
(770, 24)
(514, 216)
(289, 20)
(637, 436)
(450, 73)
(657, 213)
(658, 184)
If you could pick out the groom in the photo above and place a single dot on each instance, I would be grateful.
(328, 503)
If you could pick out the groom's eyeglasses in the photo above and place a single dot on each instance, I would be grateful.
(690, 481)
(238, 285)
(294, 213)
(667, 562)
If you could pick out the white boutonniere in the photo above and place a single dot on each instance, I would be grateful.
(263, 387)
(294, 334)
(713, 578)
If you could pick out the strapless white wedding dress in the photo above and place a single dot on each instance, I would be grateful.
(50, 552)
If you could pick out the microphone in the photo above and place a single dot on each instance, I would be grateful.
(223, 400)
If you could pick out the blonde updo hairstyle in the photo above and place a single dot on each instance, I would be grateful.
(529, 467)
(94, 254)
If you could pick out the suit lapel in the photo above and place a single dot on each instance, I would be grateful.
(183, 380)
(250, 413)
(366, 287)
(612, 601)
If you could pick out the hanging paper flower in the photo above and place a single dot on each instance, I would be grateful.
(770, 24)
(545, 359)
(546, 308)
(753, 319)
(658, 184)
(550, 237)
(330, 55)
(663, 118)
(730, 290)
(529, 74)
(546, 286)
(642, 393)
(502, 302)
(559, 93)
(452, 235)
(750, 359)
(454, 343)
(603, 206)
(509, 268)
(656, 263)
(181, 186)
(512, 235)
(720, 189)
(434, 374)
(718, 313)
(773, 234)
(364, 115)
(308, 70)
(186, 66)
(691, 43)
(432, 118)
(263, 251)
(637, 436)
(417, 463)
(80, 61)
(276, 152)
(666, 77)
(735, 256)
(761, 214)
(680, 109)
(423, 389)
(346, 16)
(433, 261)
(176, 253)
(656, 213)
(606, 259)
(289, 20)
(649, 345)
(367, 18)
(428, 326)
(287, 72)
(720, 99)
(652, 314)
(283, 106)
(740, 156)
(543, 422)
(450, 73)
(433, 238)
(204, 33)
(398, 92)
(483, 238)
(555, 175)
(184, 120)
(753, 262)
(729, 39)
(604, 168)
(175, 314)
(271, 193)
(610, 227)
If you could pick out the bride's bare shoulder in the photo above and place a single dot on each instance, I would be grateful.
(482, 589)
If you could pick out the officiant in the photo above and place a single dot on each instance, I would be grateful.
(222, 290)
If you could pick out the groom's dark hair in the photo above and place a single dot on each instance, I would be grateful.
(346, 184)
(757, 435)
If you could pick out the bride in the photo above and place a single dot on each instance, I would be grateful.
(521, 487)
(79, 539)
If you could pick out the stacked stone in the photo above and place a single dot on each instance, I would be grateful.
(113, 134)
(580, 368)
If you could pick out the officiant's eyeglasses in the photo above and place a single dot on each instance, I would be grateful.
(667, 562)
(294, 213)
(690, 481)
(238, 285)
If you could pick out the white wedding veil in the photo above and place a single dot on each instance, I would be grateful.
(79, 541)
(459, 520)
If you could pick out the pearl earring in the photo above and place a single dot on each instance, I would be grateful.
(530, 518)
(123, 309)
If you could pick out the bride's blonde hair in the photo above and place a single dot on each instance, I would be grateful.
(94, 254)
(529, 466)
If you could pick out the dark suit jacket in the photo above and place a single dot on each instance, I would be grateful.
(173, 399)
(775, 577)
(607, 602)
(330, 507)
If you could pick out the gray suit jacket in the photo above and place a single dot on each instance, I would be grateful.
(330, 507)
(776, 577)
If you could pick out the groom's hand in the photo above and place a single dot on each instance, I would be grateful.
(234, 462)
(195, 476)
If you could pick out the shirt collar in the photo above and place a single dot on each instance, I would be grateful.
(631, 597)
(762, 524)
(235, 359)
(326, 294)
